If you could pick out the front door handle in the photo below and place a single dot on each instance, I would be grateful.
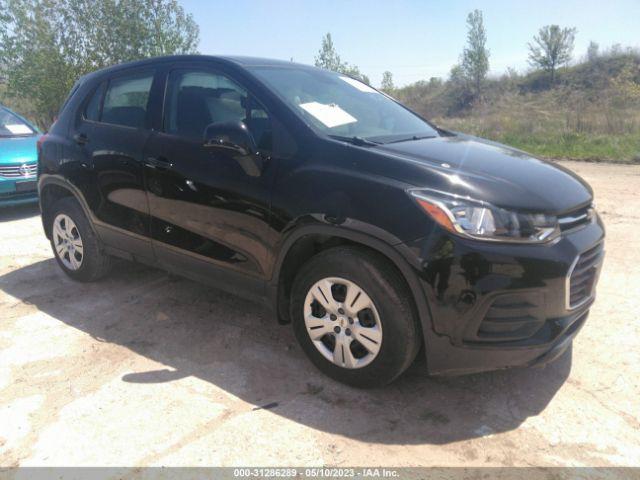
(158, 163)
(80, 139)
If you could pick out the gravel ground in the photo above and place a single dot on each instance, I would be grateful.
(149, 369)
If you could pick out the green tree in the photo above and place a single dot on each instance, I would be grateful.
(552, 48)
(45, 45)
(329, 59)
(354, 72)
(435, 82)
(459, 91)
(387, 82)
(593, 51)
(475, 58)
(615, 50)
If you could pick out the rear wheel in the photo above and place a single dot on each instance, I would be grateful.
(75, 246)
(353, 317)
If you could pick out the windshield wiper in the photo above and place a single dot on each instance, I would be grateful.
(361, 142)
(413, 137)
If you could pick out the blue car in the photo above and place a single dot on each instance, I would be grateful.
(18, 159)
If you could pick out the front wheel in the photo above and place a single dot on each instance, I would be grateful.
(353, 316)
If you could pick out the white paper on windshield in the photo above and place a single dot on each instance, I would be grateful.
(331, 115)
(363, 87)
(18, 129)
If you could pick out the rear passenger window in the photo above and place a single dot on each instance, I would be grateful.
(125, 102)
(92, 109)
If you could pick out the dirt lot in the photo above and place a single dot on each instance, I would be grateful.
(148, 369)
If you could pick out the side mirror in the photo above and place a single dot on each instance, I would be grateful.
(233, 138)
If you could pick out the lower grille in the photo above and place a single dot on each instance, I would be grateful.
(24, 170)
(583, 276)
(511, 317)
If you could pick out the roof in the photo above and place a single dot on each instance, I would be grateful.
(237, 60)
(258, 61)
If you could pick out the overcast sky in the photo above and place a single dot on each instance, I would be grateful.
(411, 38)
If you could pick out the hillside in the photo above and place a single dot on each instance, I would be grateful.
(591, 113)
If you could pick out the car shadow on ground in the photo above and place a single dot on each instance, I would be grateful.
(235, 345)
(18, 212)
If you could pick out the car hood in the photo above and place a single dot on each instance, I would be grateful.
(490, 172)
(18, 150)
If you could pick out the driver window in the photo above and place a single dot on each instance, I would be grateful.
(198, 98)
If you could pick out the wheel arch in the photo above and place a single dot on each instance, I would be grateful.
(53, 188)
(307, 241)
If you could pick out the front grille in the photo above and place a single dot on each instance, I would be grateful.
(583, 276)
(576, 218)
(24, 170)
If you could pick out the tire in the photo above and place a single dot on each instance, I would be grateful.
(67, 219)
(389, 319)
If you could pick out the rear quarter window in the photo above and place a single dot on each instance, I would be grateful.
(92, 107)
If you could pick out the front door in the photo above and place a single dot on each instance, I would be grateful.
(209, 212)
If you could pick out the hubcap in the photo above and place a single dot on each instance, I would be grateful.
(343, 322)
(67, 242)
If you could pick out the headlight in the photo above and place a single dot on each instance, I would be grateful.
(480, 220)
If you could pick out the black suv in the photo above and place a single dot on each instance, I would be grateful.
(375, 233)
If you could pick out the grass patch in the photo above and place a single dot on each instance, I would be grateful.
(551, 141)
(574, 146)
(591, 113)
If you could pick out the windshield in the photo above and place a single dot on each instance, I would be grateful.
(13, 126)
(341, 106)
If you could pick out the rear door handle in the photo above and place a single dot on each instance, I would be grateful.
(158, 163)
(80, 139)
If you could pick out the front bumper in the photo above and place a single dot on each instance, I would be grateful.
(18, 192)
(495, 306)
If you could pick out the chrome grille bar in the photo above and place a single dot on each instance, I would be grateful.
(24, 170)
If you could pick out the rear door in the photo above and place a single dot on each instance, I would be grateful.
(115, 128)
(209, 212)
